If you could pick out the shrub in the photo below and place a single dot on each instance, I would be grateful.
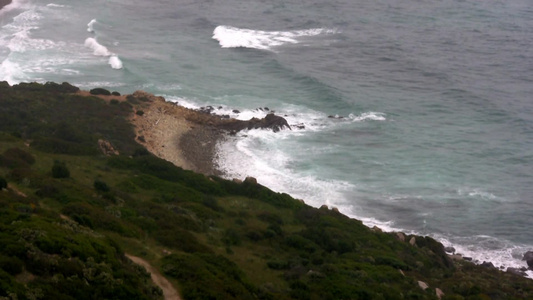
(100, 91)
(114, 102)
(139, 112)
(3, 183)
(60, 170)
(115, 93)
(101, 186)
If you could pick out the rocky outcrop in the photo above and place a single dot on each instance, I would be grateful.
(271, 121)
(528, 257)
(106, 148)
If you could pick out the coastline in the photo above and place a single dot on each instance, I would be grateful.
(4, 3)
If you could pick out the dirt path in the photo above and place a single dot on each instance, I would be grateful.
(169, 292)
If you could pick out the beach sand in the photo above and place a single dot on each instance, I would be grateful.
(4, 3)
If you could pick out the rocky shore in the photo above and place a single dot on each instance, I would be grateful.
(4, 3)
(183, 136)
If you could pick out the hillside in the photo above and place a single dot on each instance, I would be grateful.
(80, 191)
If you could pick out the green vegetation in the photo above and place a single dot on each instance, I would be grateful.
(64, 232)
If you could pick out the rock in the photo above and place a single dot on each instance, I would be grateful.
(299, 126)
(439, 293)
(467, 258)
(237, 180)
(376, 229)
(412, 241)
(271, 121)
(266, 108)
(106, 148)
(324, 207)
(423, 285)
(236, 111)
(400, 236)
(100, 91)
(250, 180)
(335, 209)
(487, 264)
(516, 271)
(449, 250)
(528, 257)
(457, 257)
(401, 272)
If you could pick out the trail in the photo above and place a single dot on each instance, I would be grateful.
(169, 292)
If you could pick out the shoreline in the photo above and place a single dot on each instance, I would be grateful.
(4, 3)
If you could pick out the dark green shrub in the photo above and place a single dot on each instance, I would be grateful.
(60, 170)
(114, 102)
(139, 112)
(101, 186)
(3, 183)
(11, 265)
(16, 153)
(115, 93)
(100, 91)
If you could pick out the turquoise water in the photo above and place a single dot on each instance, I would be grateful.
(414, 115)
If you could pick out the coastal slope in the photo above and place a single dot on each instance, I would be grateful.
(80, 190)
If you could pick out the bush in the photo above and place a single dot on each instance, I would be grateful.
(101, 186)
(100, 91)
(139, 112)
(3, 183)
(60, 170)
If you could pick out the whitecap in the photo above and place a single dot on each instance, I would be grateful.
(98, 50)
(90, 26)
(55, 5)
(233, 37)
(115, 62)
(373, 116)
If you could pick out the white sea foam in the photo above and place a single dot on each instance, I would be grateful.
(13, 5)
(374, 116)
(233, 37)
(90, 26)
(11, 72)
(115, 62)
(55, 5)
(98, 49)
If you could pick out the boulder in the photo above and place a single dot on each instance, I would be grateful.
(516, 271)
(449, 250)
(250, 180)
(439, 293)
(424, 286)
(400, 236)
(528, 257)
(412, 241)
(487, 264)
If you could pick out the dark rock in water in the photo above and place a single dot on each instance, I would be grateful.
(516, 271)
(236, 111)
(335, 117)
(528, 257)
(487, 264)
(449, 249)
(266, 108)
(115, 93)
(299, 126)
(206, 110)
(100, 91)
(220, 107)
(467, 258)
(271, 121)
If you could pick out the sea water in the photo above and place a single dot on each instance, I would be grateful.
(409, 115)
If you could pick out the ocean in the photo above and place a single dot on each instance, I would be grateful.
(414, 115)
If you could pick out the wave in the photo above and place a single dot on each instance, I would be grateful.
(100, 50)
(90, 26)
(115, 62)
(11, 6)
(233, 37)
